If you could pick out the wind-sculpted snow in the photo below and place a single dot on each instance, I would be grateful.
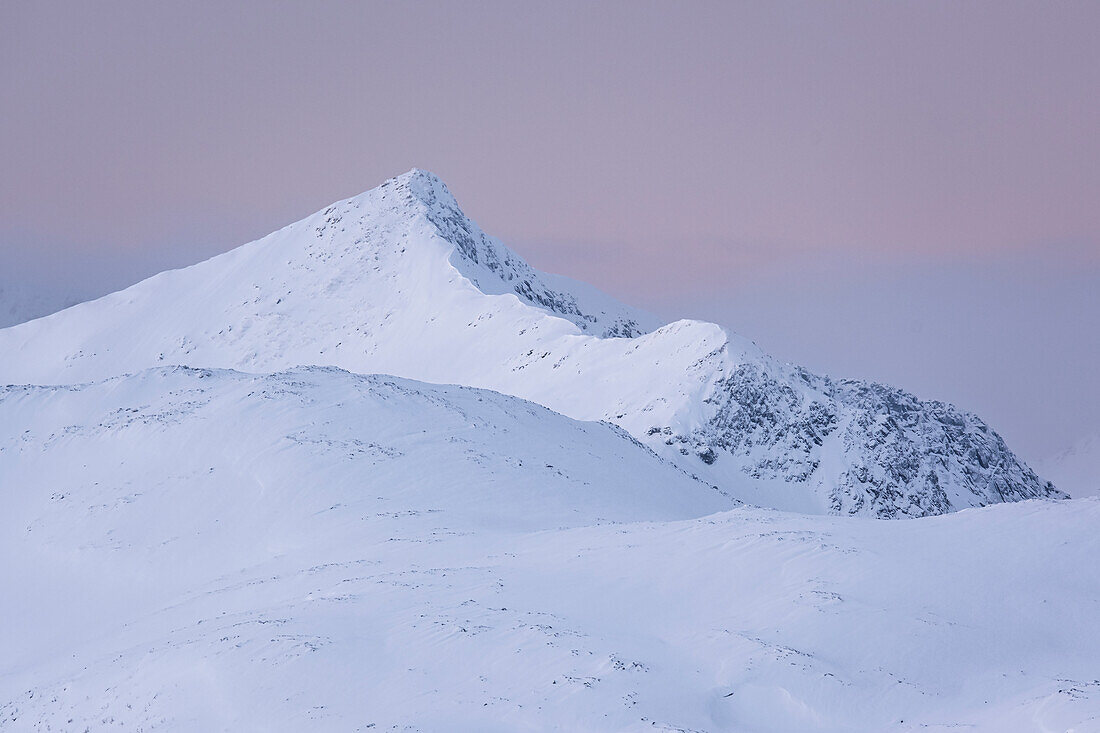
(201, 549)
(398, 280)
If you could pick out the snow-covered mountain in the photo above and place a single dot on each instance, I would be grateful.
(207, 550)
(218, 512)
(399, 281)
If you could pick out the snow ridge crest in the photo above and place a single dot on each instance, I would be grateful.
(494, 268)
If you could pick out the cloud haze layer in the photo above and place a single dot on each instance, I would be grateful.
(817, 177)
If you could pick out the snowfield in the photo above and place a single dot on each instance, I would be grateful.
(219, 512)
(317, 550)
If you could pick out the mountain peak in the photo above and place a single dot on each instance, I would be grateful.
(418, 176)
(425, 187)
(420, 197)
(400, 281)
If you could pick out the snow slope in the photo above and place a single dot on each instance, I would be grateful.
(207, 550)
(399, 281)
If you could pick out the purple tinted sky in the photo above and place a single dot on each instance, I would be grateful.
(909, 192)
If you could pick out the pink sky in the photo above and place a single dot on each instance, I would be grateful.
(721, 159)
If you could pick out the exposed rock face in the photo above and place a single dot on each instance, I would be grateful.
(914, 458)
(869, 449)
(424, 189)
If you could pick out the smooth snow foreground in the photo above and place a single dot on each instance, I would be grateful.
(205, 550)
